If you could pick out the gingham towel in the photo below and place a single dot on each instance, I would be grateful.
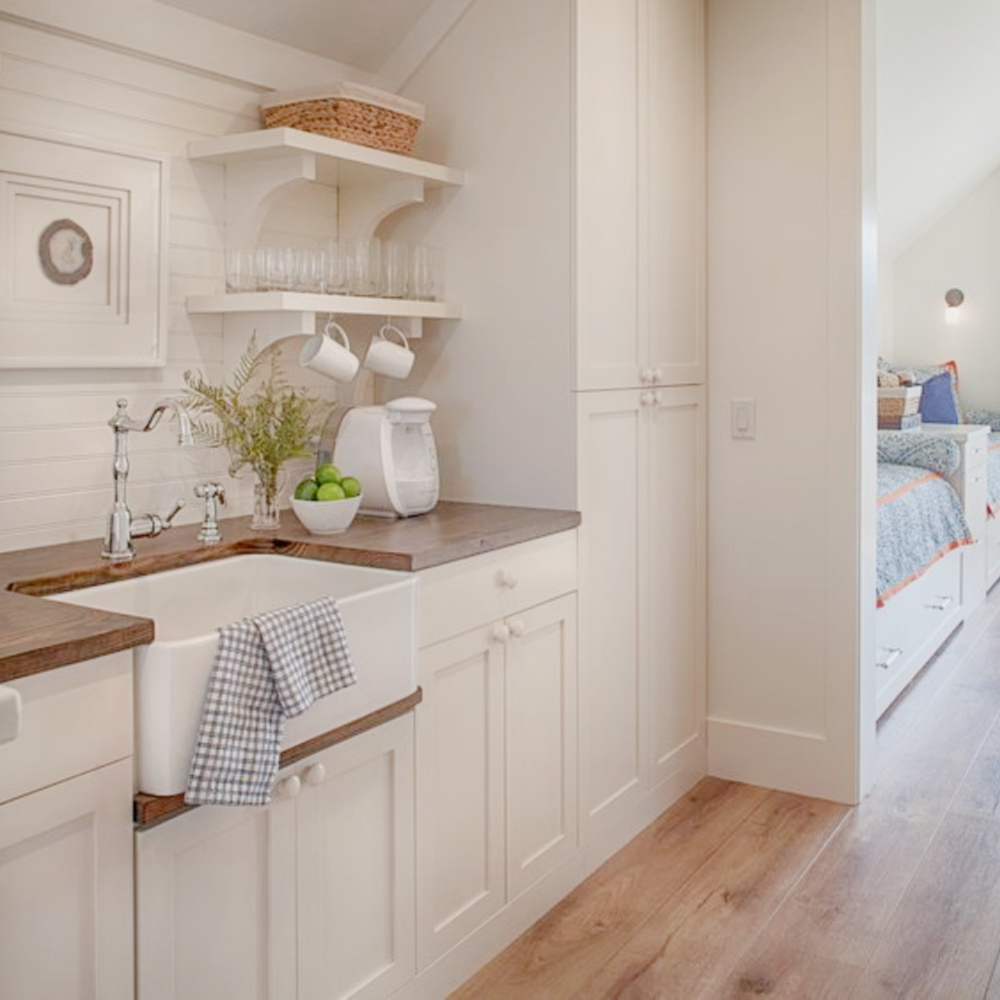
(267, 668)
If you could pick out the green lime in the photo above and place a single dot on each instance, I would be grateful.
(351, 486)
(327, 473)
(306, 490)
(330, 491)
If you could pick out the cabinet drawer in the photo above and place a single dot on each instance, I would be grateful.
(463, 594)
(914, 622)
(73, 719)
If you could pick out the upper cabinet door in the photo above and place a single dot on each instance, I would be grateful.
(672, 192)
(640, 227)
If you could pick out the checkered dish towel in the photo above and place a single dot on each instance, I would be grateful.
(267, 668)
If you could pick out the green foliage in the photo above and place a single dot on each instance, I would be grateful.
(258, 417)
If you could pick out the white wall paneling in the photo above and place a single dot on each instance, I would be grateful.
(791, 614)
(105, 79)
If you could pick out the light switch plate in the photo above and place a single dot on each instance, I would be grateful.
(743, 419)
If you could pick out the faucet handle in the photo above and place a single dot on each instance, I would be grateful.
(178, 507)
(211, 491)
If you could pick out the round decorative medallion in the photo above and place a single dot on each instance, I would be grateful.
(66, 252)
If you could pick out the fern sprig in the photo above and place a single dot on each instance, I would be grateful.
(259, 417)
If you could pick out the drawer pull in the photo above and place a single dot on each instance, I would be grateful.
(888, 659)
(316, 775)
(942, 603)
(517, 628)
(507, 578)
(10, 714)
(501, 633)
(289, 788)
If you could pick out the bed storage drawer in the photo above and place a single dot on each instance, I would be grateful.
(913, 623)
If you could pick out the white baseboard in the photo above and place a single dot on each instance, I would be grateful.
(776, 758)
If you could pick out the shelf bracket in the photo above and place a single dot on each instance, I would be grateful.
(250, 189)
(363, 207)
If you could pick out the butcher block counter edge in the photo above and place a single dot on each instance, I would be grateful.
(38, 635)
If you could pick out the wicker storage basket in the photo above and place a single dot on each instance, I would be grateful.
(348, 111)
(898, 407)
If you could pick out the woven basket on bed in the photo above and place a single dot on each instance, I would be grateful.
(351, 112)
(897, 408)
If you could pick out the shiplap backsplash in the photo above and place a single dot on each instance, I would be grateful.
(55, 445)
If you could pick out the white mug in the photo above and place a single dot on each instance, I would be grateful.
(386, 357)
(328, 356)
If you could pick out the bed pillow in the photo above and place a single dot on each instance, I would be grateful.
(936, 454)
(922, 374)
(990, 417)
(937, 400)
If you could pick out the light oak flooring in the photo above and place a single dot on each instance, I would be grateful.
(738, 891)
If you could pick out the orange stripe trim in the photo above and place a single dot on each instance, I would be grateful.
(882, 598)
(906, 487)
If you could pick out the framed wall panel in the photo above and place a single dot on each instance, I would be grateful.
(82, 253)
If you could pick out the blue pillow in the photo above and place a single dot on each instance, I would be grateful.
(937, 401)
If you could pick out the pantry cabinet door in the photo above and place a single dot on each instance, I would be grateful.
(672, 607)
(671, 191)
(460, 821)
(613, 479)
(66, 889)
(215, 904)
(606, 129)
(356, 867)
(540, 681)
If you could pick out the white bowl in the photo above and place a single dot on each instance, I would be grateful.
(326, 517)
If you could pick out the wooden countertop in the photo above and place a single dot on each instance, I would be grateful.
(38, 635)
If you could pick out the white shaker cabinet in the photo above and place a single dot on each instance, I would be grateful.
(309, 898)
(496, 734)
(66, 836)
(642, 604)
(640, 244)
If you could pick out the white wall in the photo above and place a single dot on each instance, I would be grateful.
(499, 86)
(789, 615)
(962, 250)
(130, 90)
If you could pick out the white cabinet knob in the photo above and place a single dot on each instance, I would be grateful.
(657, 374)
(10, 714)
(501, 633)
(647, 399)
(290, 787)
(507, 578)
(316, 775)
(646, 376)
(517, 628)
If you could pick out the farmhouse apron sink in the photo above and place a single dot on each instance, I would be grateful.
(189, 604)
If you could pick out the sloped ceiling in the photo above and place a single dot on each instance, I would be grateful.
(938, 131)
(360, 33)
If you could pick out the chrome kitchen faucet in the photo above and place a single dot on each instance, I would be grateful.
(123, 526)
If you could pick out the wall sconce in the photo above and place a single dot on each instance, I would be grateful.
(953, 298)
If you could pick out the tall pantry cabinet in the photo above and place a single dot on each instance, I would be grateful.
(640, 375)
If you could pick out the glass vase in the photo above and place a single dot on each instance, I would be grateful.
(266, 512)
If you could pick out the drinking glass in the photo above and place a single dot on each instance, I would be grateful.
(240, 274)
(366, 264)
(395, 269)
(337, 269)
(427, 273)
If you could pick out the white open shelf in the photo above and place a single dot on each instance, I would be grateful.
(303, 302)
(339, 164)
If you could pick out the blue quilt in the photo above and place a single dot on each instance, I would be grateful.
(920, 520)
(993, 475)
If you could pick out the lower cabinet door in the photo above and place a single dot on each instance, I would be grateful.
(66, 889)
(215, 905)
(356, 868)
(460, 833)
(540, 684)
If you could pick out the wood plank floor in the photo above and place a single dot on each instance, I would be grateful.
(738, 891)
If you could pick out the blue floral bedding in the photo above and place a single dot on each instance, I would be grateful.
(920, 520)
(993, 475)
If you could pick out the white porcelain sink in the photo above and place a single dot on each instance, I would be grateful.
(378, 608)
